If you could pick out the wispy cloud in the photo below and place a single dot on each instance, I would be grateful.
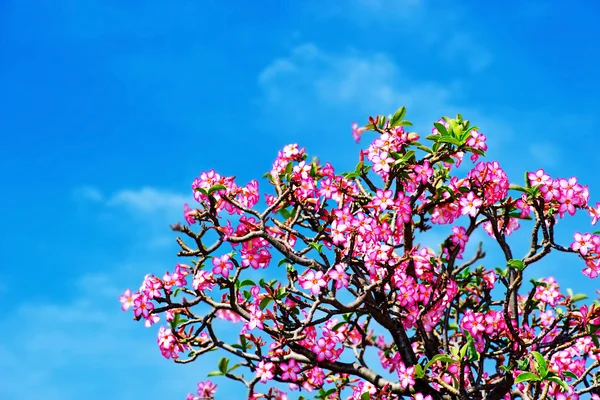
(63, 346)
(148, 199)
(145, 199)
(545, 153)
(310, 83)
(456, 44)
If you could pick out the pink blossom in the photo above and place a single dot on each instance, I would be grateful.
(383, 199)
(539, 178)
(406, 375)
(206, 389)
(289, 370)
(470, 204)
(127, 299)
(313, 281)
(222, 265)
(339, 276)
(189, 214)
(265, 371)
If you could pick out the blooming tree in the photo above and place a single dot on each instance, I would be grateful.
(362, 310)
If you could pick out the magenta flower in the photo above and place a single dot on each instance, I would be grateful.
(289, 370)
(313, 281)
(127, 299)
(222, 265)
(539, 178)
(406, 375)
(383, 200)
(265, 371)
(206, 389)
(470, 204)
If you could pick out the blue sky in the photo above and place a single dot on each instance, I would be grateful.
(109, 109)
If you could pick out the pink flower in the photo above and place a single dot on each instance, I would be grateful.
(582, 243)
(381, 163)
(203, 280)
(594, 213)
(383, 200)
(313, 281)
(324, 349)
(423, 172)
(189, 214)
(289, 370)
(406, 375)
(539, 178)
(570, 395)
(127, 299)
(265, 370)
(420, 396)
(142, 306)
(206, 389)
(357, 131)
(222, 265)
(470, 204)
(339, 276)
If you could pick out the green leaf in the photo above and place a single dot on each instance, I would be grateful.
(351, 175)
(265, 302)
(285, 213)
(215, 373)
(223, 363)
(570, 375)
(365, 396)
(578, 297)
(473, 354)
(338, 326)
(421, 147)
(476, 151)
(283, 261)
(201, 190)
(245, 282)
(281, 294)
(316, 246)
(526, 377)
(559, 381)
(441, 129)
(359, 167)
(463, 350)
(419, 373)
(444, 358)
(215, 188)
(512, 186)
(398, 116)
(517, 264)
(542, 366)
(448, 139)
(595, 340)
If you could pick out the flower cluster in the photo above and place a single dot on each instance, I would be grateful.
(350, 265)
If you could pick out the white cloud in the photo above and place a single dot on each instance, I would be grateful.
(144, 214)
(88, 193)
(545, 153)
(315, 91)
(63, 346)
(148, 199)
(310, 84)
(441, 27)
(463, 48)
(145, 200)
